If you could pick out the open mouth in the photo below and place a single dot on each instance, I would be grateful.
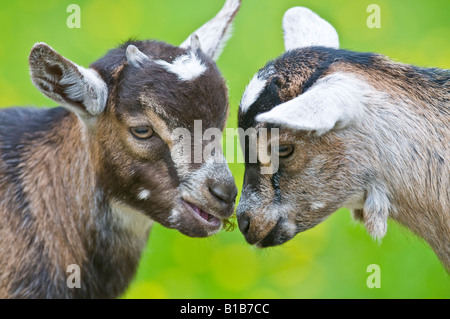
(204, 216)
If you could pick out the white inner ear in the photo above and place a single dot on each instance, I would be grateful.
(304, 28)
(215, 33)
(334, 100)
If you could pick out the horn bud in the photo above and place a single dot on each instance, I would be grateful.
(195, 43)
(135, 57)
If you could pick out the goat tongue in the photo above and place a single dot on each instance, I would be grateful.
(208, 217)
(204, 215)
(200, 212)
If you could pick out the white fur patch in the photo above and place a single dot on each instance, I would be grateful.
(186, 67)
(252, 92)
(333, 101)
(174, 218)
(144, 194)
(317, 205)
(304, 28)
(131, 219)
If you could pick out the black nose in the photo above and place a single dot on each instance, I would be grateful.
(224, 192)
(243, 223)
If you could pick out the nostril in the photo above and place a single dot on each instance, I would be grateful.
(244, 223)
(224, 192)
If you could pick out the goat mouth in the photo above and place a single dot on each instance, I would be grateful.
(273, 238)
(202, 215)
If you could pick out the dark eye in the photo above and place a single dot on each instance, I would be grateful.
(284, 150)
(142, 132)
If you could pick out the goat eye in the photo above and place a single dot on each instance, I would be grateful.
(284, 150)
(142, 132)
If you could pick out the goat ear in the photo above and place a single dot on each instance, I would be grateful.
(333, 101)
(304, 28)
(74, 87)
(214, 34)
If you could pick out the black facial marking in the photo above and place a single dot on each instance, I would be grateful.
(268, 98)
(276, 185)
(252, 176)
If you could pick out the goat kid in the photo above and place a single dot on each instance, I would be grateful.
(356, 130)
(81, 184)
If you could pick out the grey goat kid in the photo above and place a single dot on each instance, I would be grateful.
(357, 130)
(83, 183)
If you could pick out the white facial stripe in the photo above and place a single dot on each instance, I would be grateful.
(187, 67)
(252, 92)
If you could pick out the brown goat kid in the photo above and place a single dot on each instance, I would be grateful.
(356, 130)
(81, 184)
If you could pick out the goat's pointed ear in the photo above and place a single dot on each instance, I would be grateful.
(333, 101)
(214, 34)
(74, 87)
(304, 28)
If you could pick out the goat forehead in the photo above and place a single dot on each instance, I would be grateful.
(178, 103)
(292, 74)
(204, 100)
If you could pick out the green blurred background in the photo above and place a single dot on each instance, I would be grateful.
(328, 261)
